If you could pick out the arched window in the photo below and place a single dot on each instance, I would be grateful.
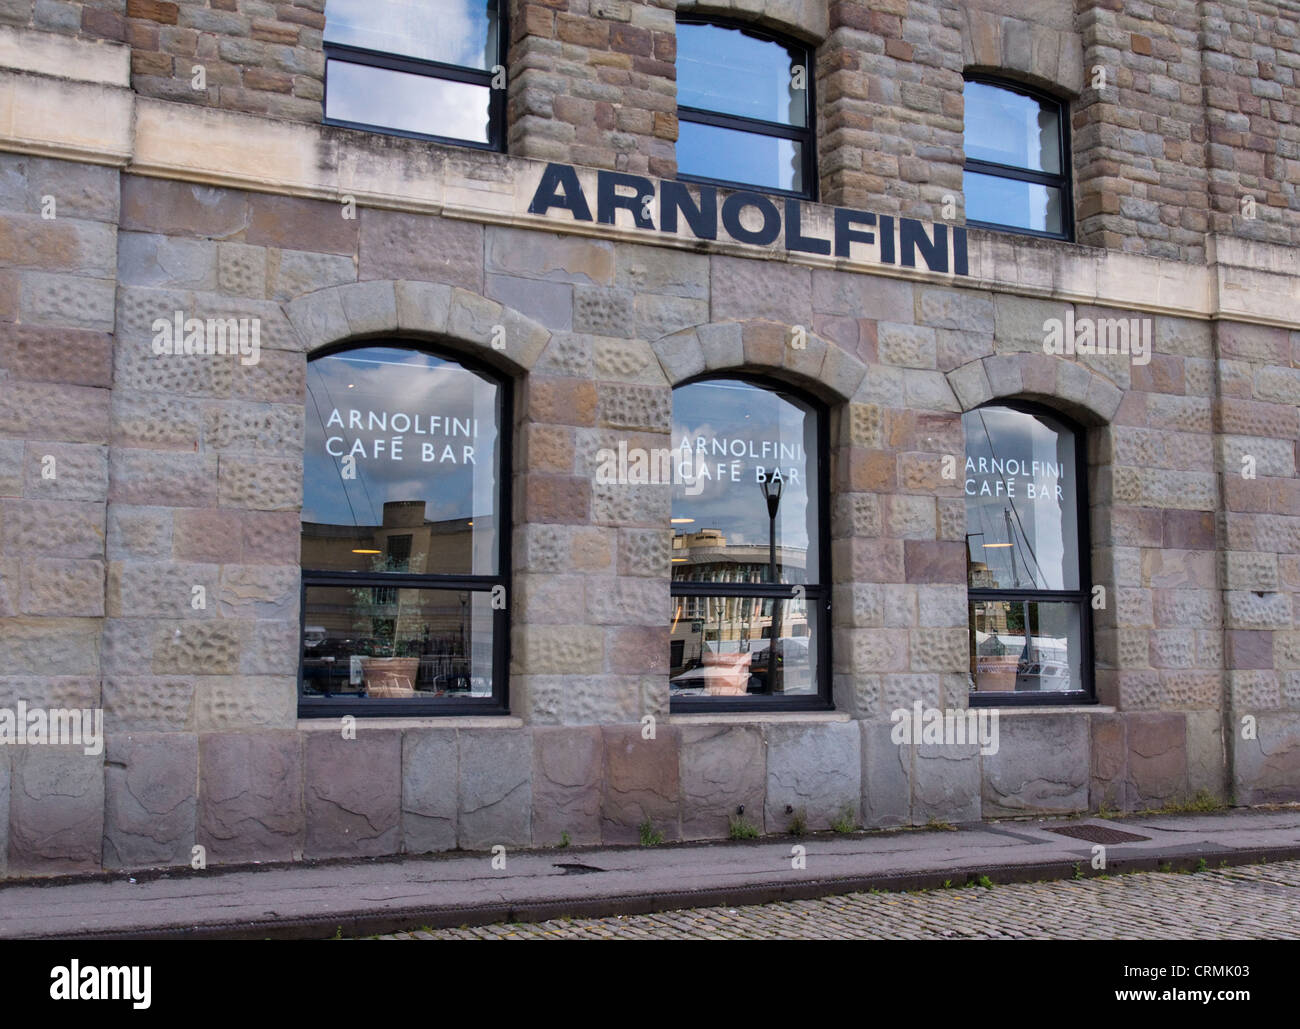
(1027, 557)
(1017, 173)
(744, 109)
(750, 589)
(421, 68)
(404, 534)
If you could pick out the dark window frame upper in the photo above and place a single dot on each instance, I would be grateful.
(1082, 596)
(807, 135)
(817, 595)
(496, 140)
(499, 702)
(1063, 181)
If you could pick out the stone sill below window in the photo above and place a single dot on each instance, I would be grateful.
(1048, 709)
(447, 722)
(745, 717)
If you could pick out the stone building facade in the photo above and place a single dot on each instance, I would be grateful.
(128, 192)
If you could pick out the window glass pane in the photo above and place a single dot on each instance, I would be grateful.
(729, 440)
(396, 643)
(1006, 658)
(1011, 128)
(745, 157)
(460, 32)
(420, 494)
(1022, 528)
(722, 647)
(409, 103)
(725, 71)
(1010, 202)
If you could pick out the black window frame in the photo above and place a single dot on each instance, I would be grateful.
(1082, 596)
(807, 135)
(817, 596)
(348, 54)
(499, 702)
(1063, 181)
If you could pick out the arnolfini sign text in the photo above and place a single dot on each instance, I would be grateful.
(751, 218)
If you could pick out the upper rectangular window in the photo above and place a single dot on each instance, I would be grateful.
(416, 67)
(743, 109)
(1017, 160)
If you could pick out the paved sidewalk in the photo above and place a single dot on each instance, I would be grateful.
(370, 897)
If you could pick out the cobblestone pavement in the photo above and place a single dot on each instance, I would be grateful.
(1245, 902)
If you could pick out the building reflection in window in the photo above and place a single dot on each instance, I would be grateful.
(747, 596)
(400, 540)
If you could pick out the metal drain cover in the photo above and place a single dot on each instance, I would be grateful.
(1098, 834)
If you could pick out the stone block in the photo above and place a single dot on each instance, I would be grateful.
(145, 703)
(293, 273)
(567, 767)
(641, 783)
(814, 768)
(250, 797)
(297, 223)
(397, 245)
(1266, 770)
(241, 270)
(1040, 767)
(1157, 758)
(56, 810)
(151, 799)
(319, 318)
(946, 783)
(370, 307)
(723, 770)
(743, 289)
(353, 791)
(886, 776)
(1206, 760)
(722, 344)
(549, 303)
(546, 255)
(223, 702)
(496, 799)
(430, 783)
(51, 646)
(147, 259)
(181, 208)
(1109, 763)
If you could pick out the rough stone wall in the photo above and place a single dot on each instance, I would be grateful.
(56, 367)
(889, 81)
(1140, 142)
(593, 82)
(1251, 60)
(86, 19)
(256, 56)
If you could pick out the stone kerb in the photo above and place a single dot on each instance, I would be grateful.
(464, 320)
